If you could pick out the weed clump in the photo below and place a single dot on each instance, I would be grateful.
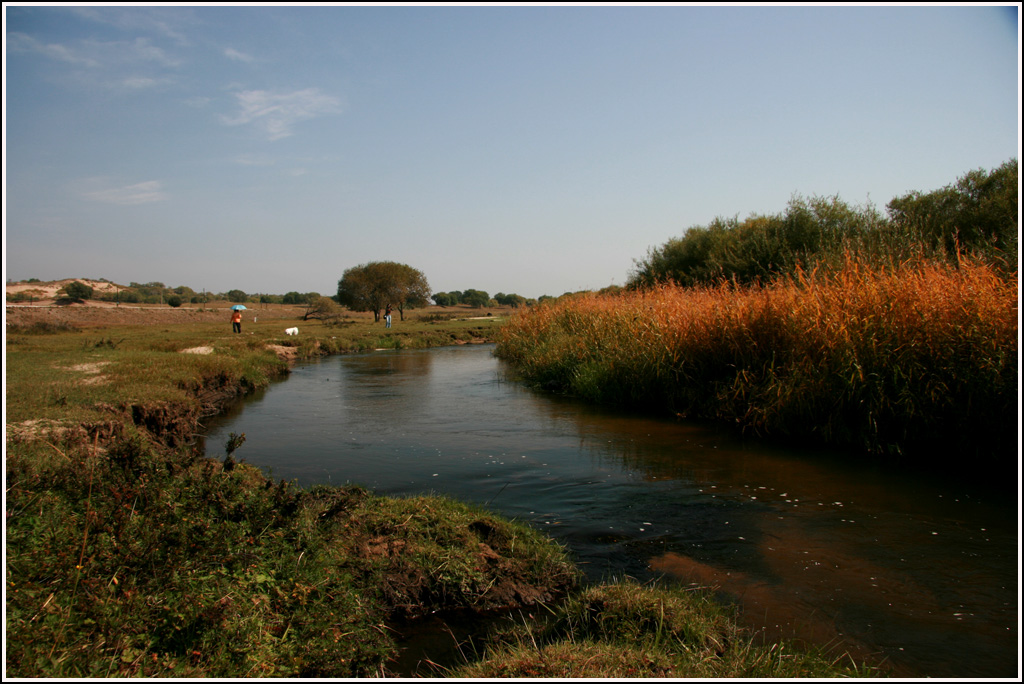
(630, 630)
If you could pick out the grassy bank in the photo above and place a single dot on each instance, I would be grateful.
(893, 362)
(133, 562)
(164, 376)
(627, 630)
(128, 554)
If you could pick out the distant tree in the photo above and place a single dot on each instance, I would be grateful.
(475, 298)
(512, 300)
(237, 296)
(174, 300)
(446, 298)
(373, 286)
(322, 309)
(412, 289)
(77, 291)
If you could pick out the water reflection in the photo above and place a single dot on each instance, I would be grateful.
(886, 564)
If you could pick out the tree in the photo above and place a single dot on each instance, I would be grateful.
(447, 298)
(237, 296)
(979, 212)
(476, 298)
(373, 286)
(77, 291)
(413, 290)
(174, 301)
(513, 300)
(323, 309)
(300, 298)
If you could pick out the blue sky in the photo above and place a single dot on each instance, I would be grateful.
(526, 149)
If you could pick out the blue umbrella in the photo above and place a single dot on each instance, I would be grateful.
(238, 307)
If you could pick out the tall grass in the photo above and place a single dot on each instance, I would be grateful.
(893, 361)
(628, 630)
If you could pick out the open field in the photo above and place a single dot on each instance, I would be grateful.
(90, 365)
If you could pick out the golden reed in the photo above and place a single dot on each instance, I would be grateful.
(895, 361)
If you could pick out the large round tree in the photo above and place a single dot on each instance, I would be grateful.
(378, 284)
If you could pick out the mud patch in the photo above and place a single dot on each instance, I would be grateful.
(198, 350)
(89, 367)
(172, 424)
(56, 432)
(288, 354)
(92, 370)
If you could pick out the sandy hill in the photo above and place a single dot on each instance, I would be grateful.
(48, 290)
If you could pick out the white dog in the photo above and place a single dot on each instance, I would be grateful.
(291, 331)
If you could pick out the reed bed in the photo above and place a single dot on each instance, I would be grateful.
(909, 360)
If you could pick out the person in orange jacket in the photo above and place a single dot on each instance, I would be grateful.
(236, 321)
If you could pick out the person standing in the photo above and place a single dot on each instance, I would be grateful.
(387, 316)
(236, 321)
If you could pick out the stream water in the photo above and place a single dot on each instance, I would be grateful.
(918, 572)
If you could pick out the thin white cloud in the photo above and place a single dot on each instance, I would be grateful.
(94, 54)
(237, 56)
(140, 82)
(276, 113)
(100, 190)
(132, 65)
(20, 42)
(164, 21)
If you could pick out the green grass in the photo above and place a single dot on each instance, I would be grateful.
(627, 630)
(85, 376)
(138, 562)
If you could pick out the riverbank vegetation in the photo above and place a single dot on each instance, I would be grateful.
(977, 215)
(895, 337)
(130, 553)
(628, 630)
(893, 363)
(134, 561)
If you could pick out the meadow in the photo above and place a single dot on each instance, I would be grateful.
(917, 362)
(129, 553)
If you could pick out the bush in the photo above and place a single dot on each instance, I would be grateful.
(77, 291)
(174, 300)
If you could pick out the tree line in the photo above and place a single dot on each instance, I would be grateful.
(976, 215)
(369, 287)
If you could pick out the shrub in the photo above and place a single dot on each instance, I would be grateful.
(77, 291)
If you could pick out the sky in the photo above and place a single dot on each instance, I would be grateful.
(528, 149)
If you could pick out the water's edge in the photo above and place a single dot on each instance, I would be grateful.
(888, 564)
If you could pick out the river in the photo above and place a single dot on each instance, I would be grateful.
(918, 572)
